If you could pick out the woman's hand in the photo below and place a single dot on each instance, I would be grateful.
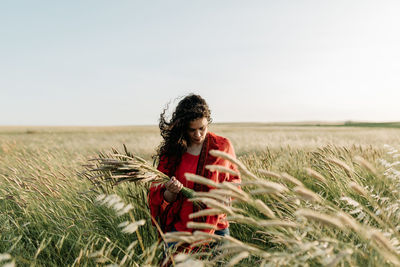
(173, 187)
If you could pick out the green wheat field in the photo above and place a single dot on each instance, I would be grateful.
(313, 195)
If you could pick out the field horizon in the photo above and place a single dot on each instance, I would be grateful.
(347, 123)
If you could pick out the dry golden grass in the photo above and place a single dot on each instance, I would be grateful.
(311, 195)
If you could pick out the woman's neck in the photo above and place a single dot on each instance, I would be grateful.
(194, 149)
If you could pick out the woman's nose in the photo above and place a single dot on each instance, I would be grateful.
(197, 133)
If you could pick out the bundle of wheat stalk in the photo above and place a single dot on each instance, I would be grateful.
(115, 168)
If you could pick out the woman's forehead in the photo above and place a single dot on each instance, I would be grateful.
(198, 123)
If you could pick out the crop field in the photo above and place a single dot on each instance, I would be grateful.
(311, 195)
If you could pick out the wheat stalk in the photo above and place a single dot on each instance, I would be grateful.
(115, 168)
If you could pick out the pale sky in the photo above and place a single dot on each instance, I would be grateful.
(119, 62)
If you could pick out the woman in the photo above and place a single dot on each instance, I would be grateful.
(184, 149)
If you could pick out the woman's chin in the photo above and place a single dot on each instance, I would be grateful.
(197, 142)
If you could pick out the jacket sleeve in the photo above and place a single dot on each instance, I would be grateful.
(219, 219)
(162, 211)
(155, 197)
(157, 203)
(232, 178)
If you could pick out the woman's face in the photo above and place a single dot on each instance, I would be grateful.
(197, 131)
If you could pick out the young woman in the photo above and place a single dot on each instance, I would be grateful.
(185, 149)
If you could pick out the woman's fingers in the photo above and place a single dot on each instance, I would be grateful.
(177, 186)
(173, 185)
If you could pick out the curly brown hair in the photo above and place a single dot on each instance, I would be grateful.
(174, 132)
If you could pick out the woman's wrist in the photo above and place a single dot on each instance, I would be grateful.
(169, 196)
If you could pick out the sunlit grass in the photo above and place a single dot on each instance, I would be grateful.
(49, 216)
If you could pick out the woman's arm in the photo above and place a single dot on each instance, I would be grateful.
(172, 188)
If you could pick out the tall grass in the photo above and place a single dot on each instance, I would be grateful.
(341, 213)
(344, 212)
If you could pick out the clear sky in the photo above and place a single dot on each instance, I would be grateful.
(101, 62)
